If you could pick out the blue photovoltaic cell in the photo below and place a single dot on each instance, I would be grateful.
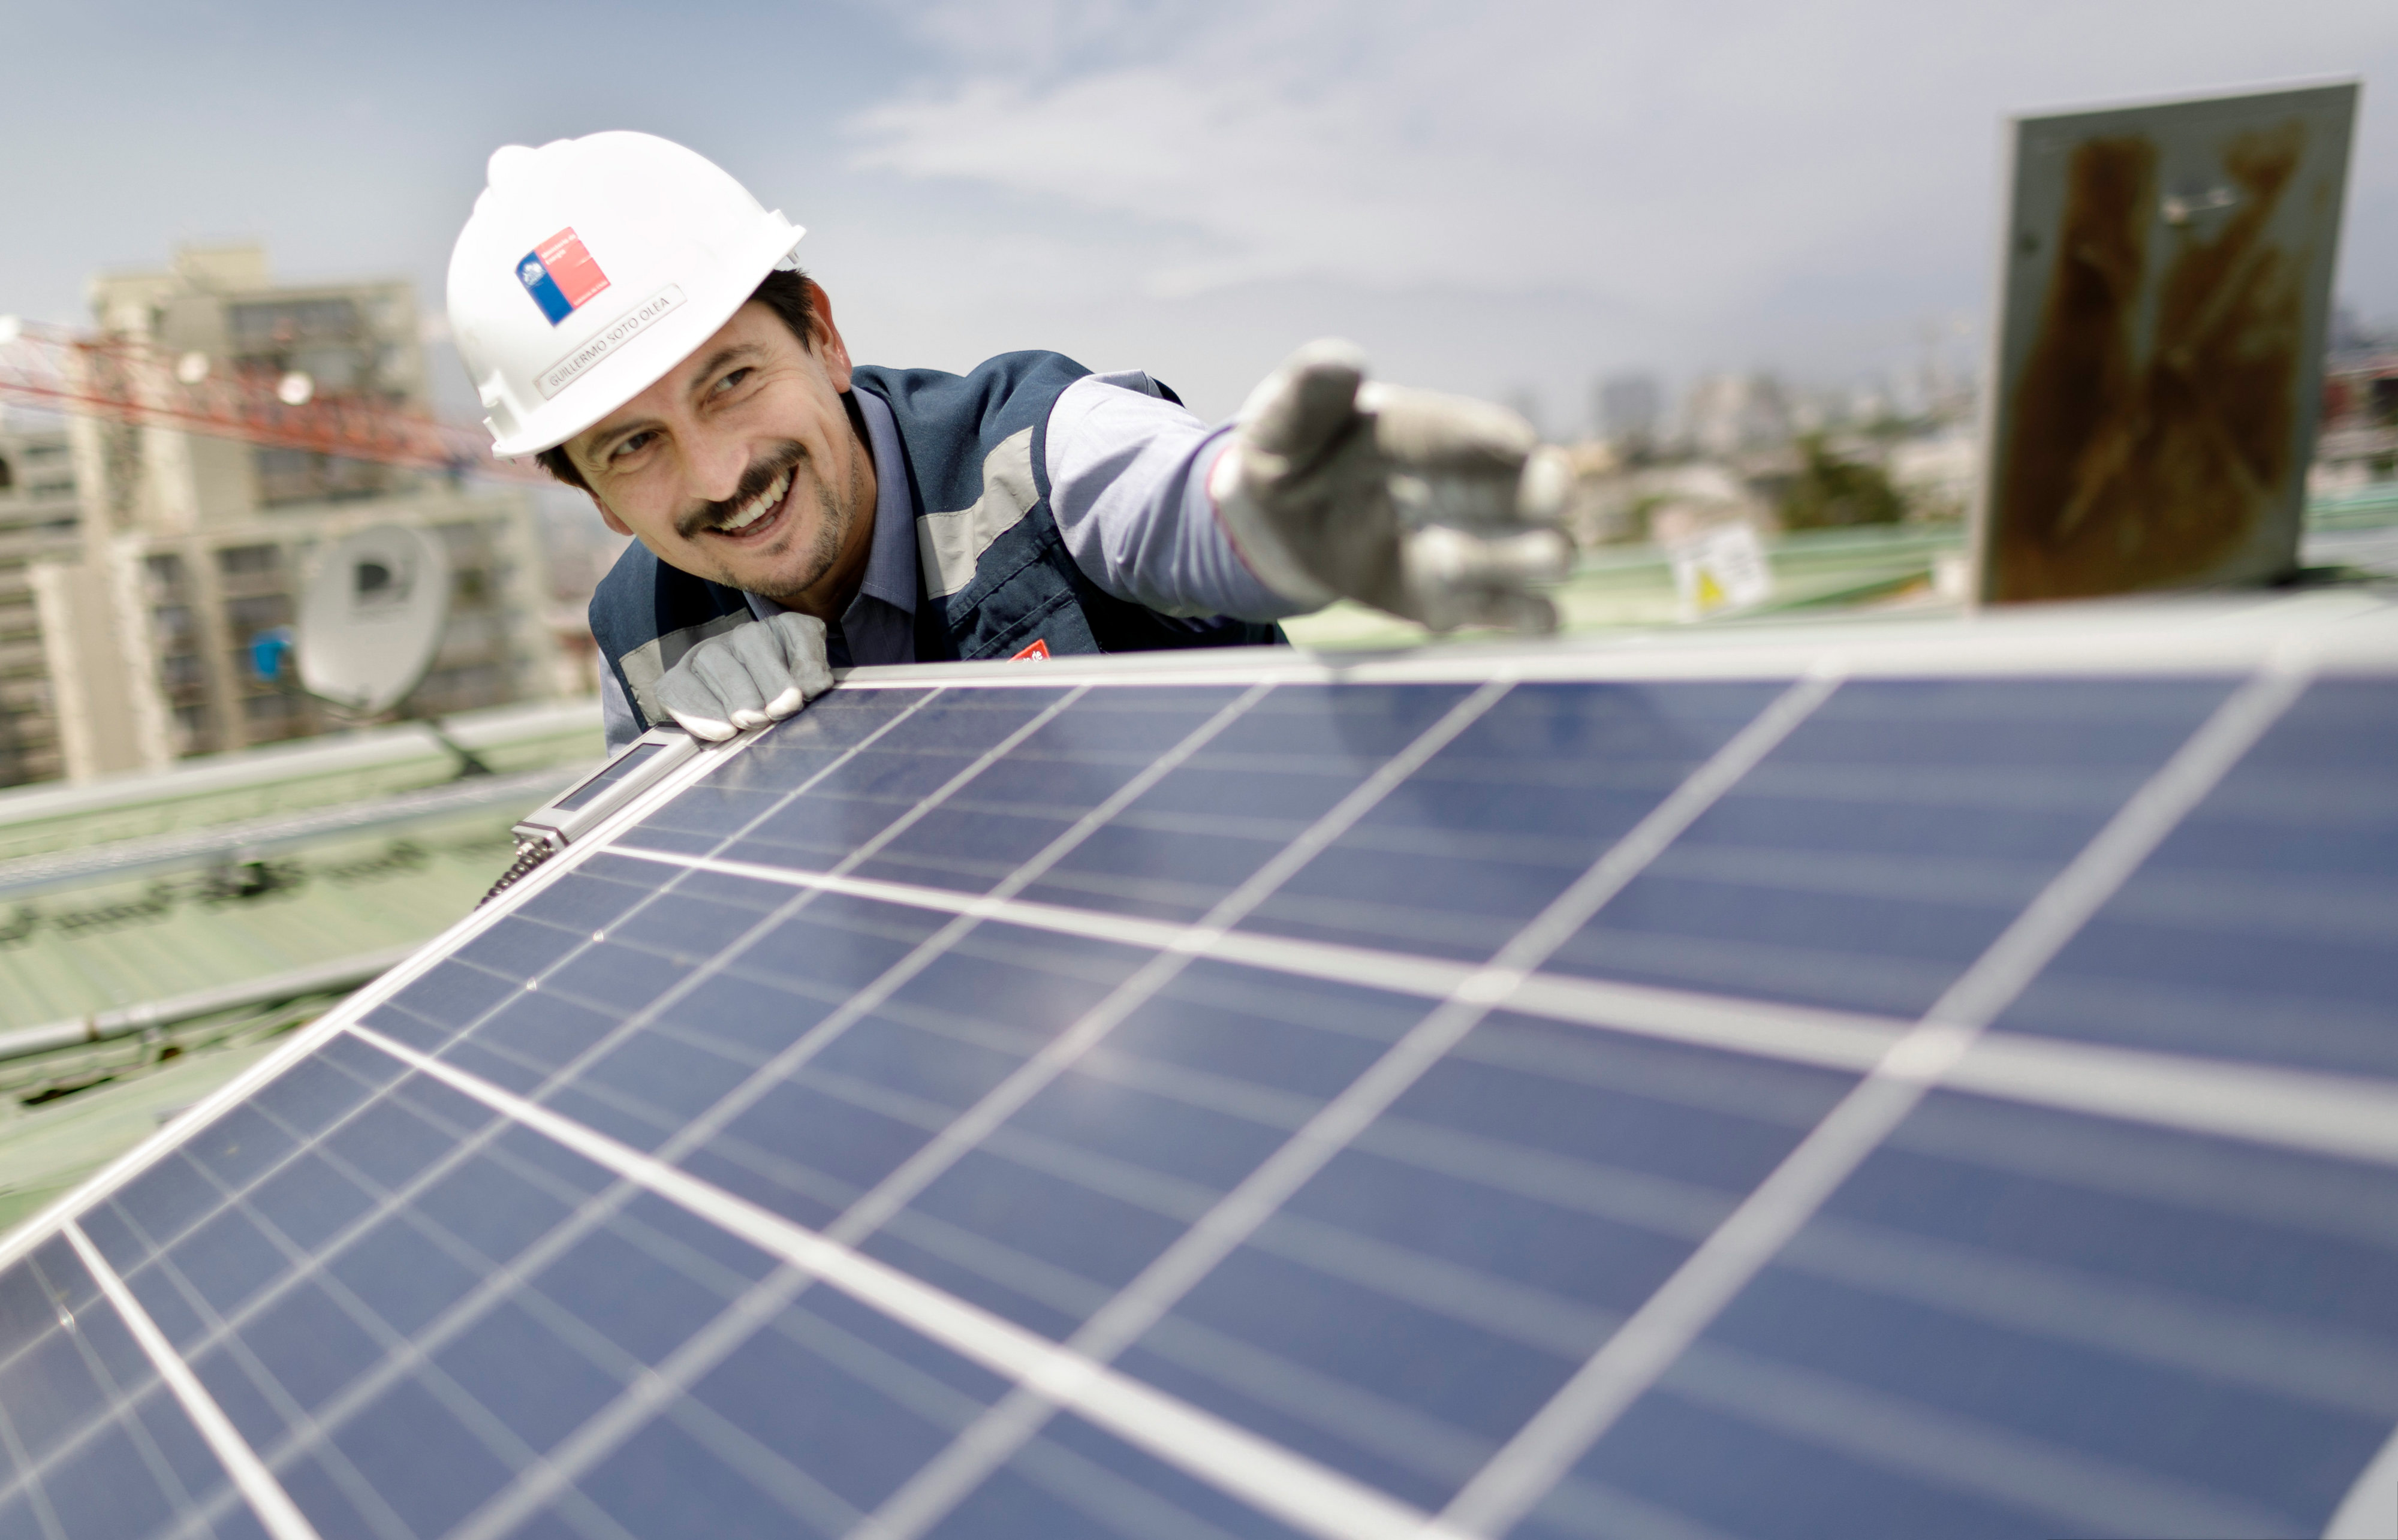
(1889, 839)
(1508, 814)
(2009, 1317)
(2267, 926)
(1306, 1176)
(94, 1444)
(1184, 844)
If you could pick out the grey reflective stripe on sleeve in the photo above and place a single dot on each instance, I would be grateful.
(952, 542)
(617, 724)
(1128, 487)
(648, 663)
(1125, 379)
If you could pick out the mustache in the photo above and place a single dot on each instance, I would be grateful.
(757, 479)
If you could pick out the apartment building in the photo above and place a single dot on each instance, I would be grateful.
(182, 550)
(38, 524)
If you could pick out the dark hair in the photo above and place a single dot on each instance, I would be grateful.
(786, 291)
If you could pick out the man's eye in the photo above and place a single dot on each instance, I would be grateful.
(631, 445)
(731, 380)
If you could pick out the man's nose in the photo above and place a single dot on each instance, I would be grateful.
(714, 466)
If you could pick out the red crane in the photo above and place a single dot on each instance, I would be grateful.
(128, 380)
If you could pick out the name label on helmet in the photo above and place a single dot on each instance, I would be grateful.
(631, 324)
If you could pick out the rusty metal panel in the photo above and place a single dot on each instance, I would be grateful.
(2164, 284)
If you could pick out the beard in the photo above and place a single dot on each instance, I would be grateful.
(836, 513)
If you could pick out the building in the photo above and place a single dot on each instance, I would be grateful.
(38, 525)
(1732, 414)
(187, 547)
(2357, 447)
(1628, 409)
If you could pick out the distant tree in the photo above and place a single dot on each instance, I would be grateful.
(1832, 492)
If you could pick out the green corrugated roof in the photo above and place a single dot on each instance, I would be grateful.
(105, 942)
(70, 950)
(316, 772)
(1632, 587)
(48, 1150)
(123, 943)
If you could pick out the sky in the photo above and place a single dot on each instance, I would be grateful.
(1507, 197)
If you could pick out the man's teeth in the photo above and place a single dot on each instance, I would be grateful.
(758, 507)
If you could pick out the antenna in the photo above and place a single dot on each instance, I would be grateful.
(371, 619)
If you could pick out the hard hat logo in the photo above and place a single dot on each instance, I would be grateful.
(560, 276)
(684, 245)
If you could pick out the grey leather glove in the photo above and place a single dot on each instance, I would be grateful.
(747, 677)
(1434, 507)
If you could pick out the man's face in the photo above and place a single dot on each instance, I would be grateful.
(740, 466)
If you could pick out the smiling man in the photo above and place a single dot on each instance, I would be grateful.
(629, 314)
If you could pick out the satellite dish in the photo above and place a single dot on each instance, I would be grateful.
(371, 618)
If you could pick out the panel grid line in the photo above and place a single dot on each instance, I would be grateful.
(921, 1167)
(2159, 1073)
(708, 761)
(463, 1314)
(2318, 1365)
(345, 1474)
(2354, 1116)
(513, 1278)
(924, 806)
(2328, 1366)
(937, 1487)
(37, 1497)
(695, 1357)
(2370, 1509)
(369, 996)
(121, 1406)
(602, 1208)
(1673, 1317)
(2087, 1492)
(472, 1146)
(1277, 1480)
(275, 1512)
(303, 1430)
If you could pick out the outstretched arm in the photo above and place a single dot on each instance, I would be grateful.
(1434, 507)
(1128, 487)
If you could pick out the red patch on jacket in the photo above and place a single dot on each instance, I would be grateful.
(1040, 648)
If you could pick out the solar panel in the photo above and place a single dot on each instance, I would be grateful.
(1900, 1080)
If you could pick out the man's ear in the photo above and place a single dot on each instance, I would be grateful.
(830, 347)
(614, 525)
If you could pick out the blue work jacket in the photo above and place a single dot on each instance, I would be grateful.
(994, 578)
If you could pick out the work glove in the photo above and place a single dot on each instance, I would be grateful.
(1434, 507)
(746, 677)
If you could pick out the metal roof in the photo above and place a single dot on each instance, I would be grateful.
(159, 907)
(254, 863)
(251, 783)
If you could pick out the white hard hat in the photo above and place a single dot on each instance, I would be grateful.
(592, 267)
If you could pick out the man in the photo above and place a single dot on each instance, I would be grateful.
(628, 313)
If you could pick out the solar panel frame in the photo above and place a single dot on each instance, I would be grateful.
(2280, 647)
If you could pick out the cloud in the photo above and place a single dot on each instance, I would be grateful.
(1519, 193)
(1696, 161)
